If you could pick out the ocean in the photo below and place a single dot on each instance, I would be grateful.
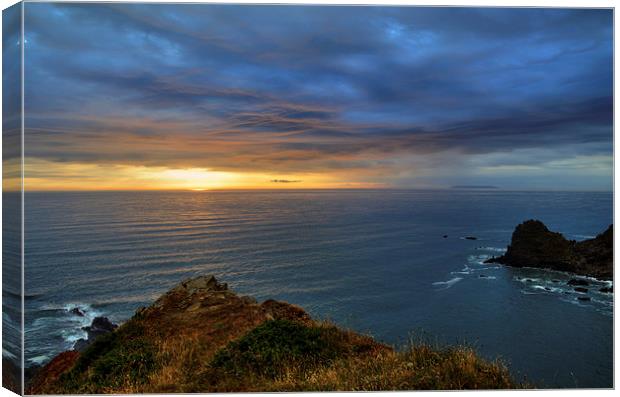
(375, 261)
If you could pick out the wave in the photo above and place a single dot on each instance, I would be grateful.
(465, 270)
(478, 259)
(72, 335)
(8, 354)
(547, 289)
(492, 249)
(598, 301)
(449, 283)
(567, 275)
(580, 303)
(528, 280)
(40, 360)
(582, 236)
(17, 295)
(59, 322)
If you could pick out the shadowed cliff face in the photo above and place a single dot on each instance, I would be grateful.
(533, 245)
(202, 337)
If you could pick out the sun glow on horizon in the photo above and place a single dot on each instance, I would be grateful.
(49, 176)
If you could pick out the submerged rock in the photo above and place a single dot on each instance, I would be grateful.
(581, 289)
(533, 245)
(574, 281)
(607, 290)
(471, 238)
(76, 311)
(583, 298)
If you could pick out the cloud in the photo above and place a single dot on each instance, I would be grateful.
(284, 181)
(283, 89)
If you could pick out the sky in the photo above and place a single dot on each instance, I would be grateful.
(139, 96)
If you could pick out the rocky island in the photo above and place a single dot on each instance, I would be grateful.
(202, 337)
(534, 245)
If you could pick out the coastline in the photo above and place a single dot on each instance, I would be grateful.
(202, 337)
(368, 272)
(533, 245)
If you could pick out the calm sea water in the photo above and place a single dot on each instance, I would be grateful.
(374, 261)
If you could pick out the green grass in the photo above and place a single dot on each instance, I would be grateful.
(124, 358)
(276, 345)
(278, 355)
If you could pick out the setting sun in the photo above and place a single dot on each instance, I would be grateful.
(79, 176)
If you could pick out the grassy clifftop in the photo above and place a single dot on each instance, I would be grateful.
(202, 337)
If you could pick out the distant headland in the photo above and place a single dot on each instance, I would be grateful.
(474, 187)
(534, 245)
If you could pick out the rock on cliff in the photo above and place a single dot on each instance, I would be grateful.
(98, 327)
(534, 245)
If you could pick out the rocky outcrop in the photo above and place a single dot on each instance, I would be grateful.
(200, 312)
(77, 312)
(533, 245)
(202, 337)
(99, 326)
(595, 257)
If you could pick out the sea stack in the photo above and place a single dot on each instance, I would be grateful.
(534, 245)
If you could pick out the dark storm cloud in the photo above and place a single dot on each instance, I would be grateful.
(280, 88)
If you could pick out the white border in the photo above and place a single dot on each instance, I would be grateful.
(484, 3)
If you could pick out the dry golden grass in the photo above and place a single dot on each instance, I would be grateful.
(419, 367)
(211, 340)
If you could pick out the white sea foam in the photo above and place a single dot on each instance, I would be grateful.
(583, 236)
(567, 275)
(492, 249)
(547, 288)
(50, 307)
(477, 259)
(73, 335)
(8, 354)
(449, 283)
(525, 292)
(73, 331)
(600, 302)
(528, 280)
(465, 270)
(39, 360)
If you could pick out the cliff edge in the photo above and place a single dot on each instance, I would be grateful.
(202, 337)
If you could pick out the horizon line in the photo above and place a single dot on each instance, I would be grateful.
(291, 189)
